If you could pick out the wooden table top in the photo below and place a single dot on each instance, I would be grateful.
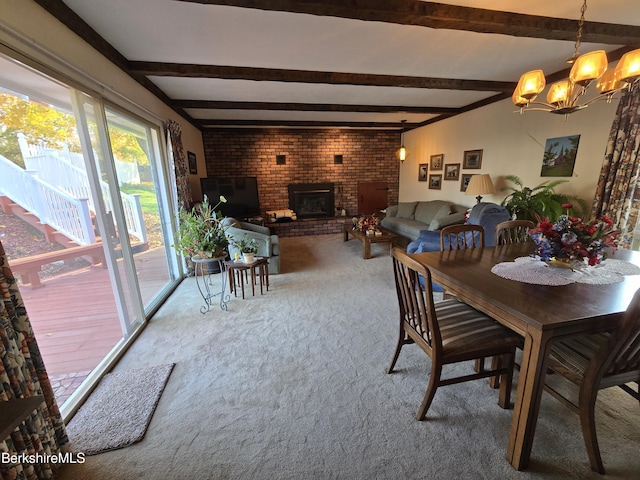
(541, 306)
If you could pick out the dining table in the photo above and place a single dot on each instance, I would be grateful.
(540, 313)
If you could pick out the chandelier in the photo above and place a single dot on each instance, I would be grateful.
(564, 96)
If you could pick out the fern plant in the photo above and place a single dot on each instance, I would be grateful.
(525, 203)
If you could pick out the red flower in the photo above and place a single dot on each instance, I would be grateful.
(567, 206)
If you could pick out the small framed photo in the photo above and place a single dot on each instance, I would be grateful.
(422, 172)
(436, 161)
(452, 171)
(464, 181)
(193, 165)
(435, 181)
(472, 159)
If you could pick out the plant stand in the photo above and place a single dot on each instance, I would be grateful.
(204, 283)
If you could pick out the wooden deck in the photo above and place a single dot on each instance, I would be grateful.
(75, 319)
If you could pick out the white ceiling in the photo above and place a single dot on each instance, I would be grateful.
(185, 32)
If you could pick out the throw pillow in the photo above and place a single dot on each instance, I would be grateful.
(406, 209)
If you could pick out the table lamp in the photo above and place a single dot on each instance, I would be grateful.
(480, 185)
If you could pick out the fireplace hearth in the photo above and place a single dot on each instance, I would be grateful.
(312, 200)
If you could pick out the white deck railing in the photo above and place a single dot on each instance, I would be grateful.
(51, 184)
(70, 216)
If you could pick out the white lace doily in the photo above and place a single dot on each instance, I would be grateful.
(533, 270)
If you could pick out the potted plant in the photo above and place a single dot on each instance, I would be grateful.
(525, 203)
(248, 247)
(201, 233)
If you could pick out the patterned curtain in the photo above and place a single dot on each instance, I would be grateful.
(22, 375)
(618, 190)
(180, 165)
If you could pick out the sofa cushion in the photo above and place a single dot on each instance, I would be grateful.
(426, 212)
(404, 227)
(445, 221)
(391, 211)
(406, 209)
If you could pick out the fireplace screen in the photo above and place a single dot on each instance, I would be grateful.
(311, 200)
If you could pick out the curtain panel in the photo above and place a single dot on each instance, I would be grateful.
(618, 192)
(22, 375)
(183, 189)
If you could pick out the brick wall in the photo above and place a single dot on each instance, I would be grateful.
(368, 156)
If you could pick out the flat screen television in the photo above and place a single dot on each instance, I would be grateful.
(241, 194)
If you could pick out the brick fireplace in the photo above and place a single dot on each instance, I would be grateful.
(309, 157)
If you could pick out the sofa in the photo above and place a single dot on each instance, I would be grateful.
(268, 245)
(485, 214)
(408, 219)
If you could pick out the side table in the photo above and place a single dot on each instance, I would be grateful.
(238, 274)
(204, 283)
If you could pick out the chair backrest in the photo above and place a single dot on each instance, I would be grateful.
(619, 360)
(458, 237)
(415, 298)
(512, 231)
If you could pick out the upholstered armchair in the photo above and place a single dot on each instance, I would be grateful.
(268, 245)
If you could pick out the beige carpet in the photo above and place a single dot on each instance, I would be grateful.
(291, 385)
(118, 411)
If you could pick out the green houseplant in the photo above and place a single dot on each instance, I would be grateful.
(247, 246)
(525, 203)
(200, 232)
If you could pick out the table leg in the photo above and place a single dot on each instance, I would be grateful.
(232, 283)
(261, 274)
(366, 248)
(253, 282)
(346, 235)
(529, 392)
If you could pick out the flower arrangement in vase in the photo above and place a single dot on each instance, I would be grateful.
(247, 246)
(200, 231)
(570, 240)
(367, 224)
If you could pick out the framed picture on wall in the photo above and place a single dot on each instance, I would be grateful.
(452, 171)
(472, 159)
(560, 156)
(436, 161)
(422, 172)
(193, 165)
(435, 181)
(464, 181)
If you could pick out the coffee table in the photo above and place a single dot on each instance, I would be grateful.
(367, 240)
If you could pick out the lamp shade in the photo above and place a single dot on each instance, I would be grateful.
(559, 92)
(480, 185)
(628, 67)
(588, 67)
(530, 84)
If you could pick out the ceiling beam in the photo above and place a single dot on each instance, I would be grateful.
(215, 123)
(307, 76)
(452, 17)
(309, 107)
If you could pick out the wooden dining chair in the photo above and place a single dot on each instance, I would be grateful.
(458, 237)
(448, 331)
(595, 362)
(512, 231)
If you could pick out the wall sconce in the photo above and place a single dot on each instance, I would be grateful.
(281, 159)
(337, 159)
(402, 152)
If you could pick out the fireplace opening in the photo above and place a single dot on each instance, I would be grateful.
(312, 200)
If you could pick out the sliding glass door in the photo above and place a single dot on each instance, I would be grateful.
(82, 187)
